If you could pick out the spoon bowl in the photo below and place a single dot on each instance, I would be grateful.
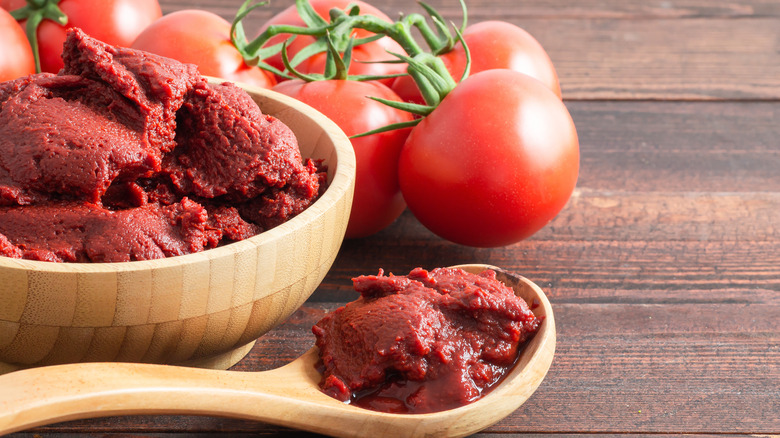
(288, 396)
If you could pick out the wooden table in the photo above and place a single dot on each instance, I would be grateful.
(663, 269)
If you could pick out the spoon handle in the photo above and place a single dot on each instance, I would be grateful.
(46, 395)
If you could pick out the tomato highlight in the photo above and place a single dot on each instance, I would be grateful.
(116, 22)
(16, 57)
(201, 38)
(493, 163)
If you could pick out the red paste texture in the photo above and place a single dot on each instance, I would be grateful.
(425, 342)
(124, 155)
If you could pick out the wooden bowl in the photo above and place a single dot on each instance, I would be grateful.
(204, 309)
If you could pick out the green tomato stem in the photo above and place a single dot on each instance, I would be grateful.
(35, 11)
(427, 70)
(425, 67)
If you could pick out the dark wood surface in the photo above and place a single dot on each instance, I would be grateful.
(663, 269)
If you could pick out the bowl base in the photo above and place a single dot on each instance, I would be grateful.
(6, 368)
(221, 361)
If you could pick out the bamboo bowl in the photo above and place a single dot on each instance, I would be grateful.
(204, 309)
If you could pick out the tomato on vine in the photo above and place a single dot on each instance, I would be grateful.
(365, 55)
(492, 157)
(492, 45)
(16, 58)
(347, 99)
(116, 22)
(377, 201)
(201, 38)
(493, 163)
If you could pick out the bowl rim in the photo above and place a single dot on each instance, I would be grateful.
(341, 185)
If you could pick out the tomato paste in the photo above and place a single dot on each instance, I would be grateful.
(124, 155)
(424, 342)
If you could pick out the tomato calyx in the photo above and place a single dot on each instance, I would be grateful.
(443, 41)
(35, 11)
(335, 38)
(433, 86)
(337, 66)
(253, 53)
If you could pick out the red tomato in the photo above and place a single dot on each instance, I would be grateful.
(493, 163)
(115, 22)
(201, 38)
(377, 201)
(16, 58)
(492, 45)
(373, 51)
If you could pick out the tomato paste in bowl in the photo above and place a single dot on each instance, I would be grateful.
(125, 155)
(424, 342)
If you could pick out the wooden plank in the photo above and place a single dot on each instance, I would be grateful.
(644, 368)
(632, 50)
(614, 358)
(286, 433)
(689, 59)
(479, 9)
(672, 146)
(628, 9)
(661, 369)
(666, 218)
(607, 246)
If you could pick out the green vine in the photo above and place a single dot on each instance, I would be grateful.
(334, 37)
(35, 11)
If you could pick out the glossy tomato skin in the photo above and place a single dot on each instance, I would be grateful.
(201, 38)
(373, 51)
(378, 200)
(492, 45)
(493, 163)
(116, 22)
(16, 58)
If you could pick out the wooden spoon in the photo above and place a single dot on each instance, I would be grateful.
(286, 396)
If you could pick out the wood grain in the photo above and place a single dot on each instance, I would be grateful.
(552, 9)
(634, 372)
(663, 269)
(678, 146)
(694, 50)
